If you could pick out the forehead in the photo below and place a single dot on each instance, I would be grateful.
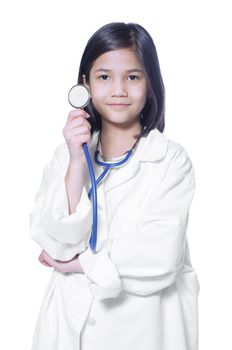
(116, 59)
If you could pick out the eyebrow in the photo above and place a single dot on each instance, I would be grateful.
(127, 71)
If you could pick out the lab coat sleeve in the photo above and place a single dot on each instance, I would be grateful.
(60, 234)
(151, 258)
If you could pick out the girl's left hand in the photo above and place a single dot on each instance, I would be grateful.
(61, 266)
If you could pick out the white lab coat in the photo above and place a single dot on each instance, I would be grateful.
(139, 291)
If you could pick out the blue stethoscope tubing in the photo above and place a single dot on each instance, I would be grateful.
(93, 191)
(93, 237)
(78, 97)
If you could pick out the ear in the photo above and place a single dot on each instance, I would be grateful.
(84, 79)
(85, 83)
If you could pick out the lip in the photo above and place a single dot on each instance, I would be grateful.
(118, 104)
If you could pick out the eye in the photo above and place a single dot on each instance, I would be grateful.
(104, 77)
(133, 77)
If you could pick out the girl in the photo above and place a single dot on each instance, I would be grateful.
(139, 290)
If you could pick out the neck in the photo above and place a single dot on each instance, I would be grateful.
(116, 141)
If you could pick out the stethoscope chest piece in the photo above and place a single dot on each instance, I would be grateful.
(78, 96)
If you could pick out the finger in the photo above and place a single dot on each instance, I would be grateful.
(77, 113)
(79, 131)
(46, 264)
(43, 261)
(75, 124)
(80, 121)
(44, 257)
(78, 141)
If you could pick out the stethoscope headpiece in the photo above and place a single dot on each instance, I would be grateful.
(79, 96)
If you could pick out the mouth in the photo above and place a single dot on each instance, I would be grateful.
(118, 105)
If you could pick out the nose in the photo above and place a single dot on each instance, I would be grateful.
(118, 89)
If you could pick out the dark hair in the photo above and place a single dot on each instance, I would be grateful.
(119, 35)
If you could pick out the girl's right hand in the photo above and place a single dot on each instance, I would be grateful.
(76, 132)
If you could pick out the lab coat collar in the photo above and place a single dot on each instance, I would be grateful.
(152, 147)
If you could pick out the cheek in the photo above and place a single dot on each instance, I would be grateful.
(98, 98)
(140, 97)
(98, 94)
(139, 92)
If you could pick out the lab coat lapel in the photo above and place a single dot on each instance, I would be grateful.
(152, 147)
(124, 175)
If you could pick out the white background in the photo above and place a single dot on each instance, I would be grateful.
(41, 45)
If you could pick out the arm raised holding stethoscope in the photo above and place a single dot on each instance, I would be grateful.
(76, 132)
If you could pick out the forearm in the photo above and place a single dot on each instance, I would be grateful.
(74, 182)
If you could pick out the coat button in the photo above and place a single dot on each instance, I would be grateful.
(91, 321)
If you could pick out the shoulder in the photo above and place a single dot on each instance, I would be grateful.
(59, 159)
(173, 147)
(157, 146)
(175, 157)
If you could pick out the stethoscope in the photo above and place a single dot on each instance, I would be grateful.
(79, 97)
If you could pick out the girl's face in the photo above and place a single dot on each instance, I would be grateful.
(118, 87)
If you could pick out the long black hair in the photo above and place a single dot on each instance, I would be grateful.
(119, 35)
